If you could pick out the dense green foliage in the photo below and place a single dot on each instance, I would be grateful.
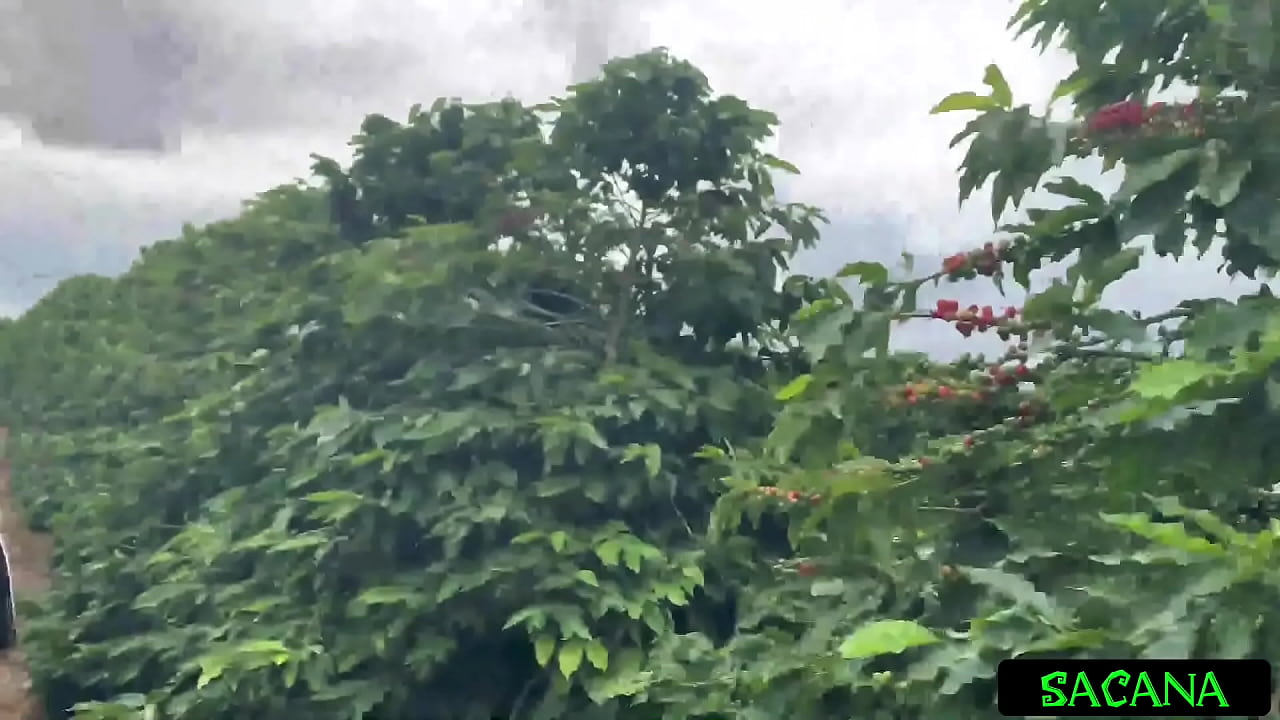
(519, 416)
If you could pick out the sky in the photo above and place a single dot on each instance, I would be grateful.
(239, 94)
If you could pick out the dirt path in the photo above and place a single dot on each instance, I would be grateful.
(29, 564)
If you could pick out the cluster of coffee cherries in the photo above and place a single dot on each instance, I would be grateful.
(996, 375)
(1028, 411)
(1131, 115)
(972, 318)
(805, 567)
(984, 261)
(1005, 376)
(1010, 375)
(1123, 115)
(916, 392)
(788, 496)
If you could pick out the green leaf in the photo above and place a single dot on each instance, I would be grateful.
(300, 542)
(870, 334)
(636, 552)
(827, 331)
(557, 485)
(1159, 211)
(788, 429)
(795, 387)
(626, 680)
(598, 655)
(885, 637)
(1001, 95)
(558, 540)
(1168, 379)
(1070, 640)
(211, 668)
(965, 670)
(870, 273)
(694, 573)
(1073, 188)
(160, 594)
(587, 577)
(1235, 633)
(1111, 269)
(1071, 87)
(1247, 23)
(275, 648)
(587, 432)
(390, 595)
(543, 648)
(651, 453)
(1052, 303)
(964, 101)
(655, 619)
(334, 496)
(1205, 520)
(1020, 590)
(609, 552)
(1218, 12)
(1117, 325)
(570, 657)
(533, 617)
(1221, 176)
(1140, 176)
(777, 163)
(1172, 535)
(1221, 324)
(860, 476)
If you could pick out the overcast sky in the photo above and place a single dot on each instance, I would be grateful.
(252, 88)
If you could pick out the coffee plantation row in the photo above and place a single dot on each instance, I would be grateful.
(521, 415)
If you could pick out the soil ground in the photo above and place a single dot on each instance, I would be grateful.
(29, 564)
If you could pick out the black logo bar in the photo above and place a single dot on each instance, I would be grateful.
(1130, 688)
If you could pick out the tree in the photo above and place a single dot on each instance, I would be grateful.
(426, 463)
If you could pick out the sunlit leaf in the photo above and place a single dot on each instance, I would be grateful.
(1001, 95)
(795, 387)
(964, 101)
(885, 637)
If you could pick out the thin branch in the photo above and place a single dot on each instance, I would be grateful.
(626, 295)
(1082, 352)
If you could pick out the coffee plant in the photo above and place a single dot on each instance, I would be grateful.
(1102, 490)
(518, 415)
(374, 446)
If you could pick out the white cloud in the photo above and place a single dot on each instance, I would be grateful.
(275, 80)
(852, 82)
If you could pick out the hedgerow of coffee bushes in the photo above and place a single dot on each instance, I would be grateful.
(518, 426)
